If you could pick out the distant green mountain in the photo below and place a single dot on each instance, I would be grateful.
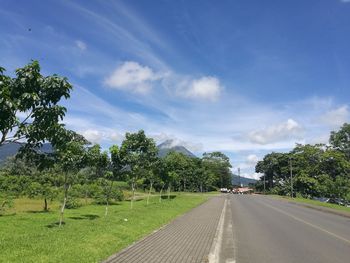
(236, 180)
(10, 149)
(170, 146)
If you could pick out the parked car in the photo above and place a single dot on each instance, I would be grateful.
(338, 201)
(223, 190)
(322, 199)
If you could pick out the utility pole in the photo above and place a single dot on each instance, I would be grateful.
(291, 177)
(239, 176)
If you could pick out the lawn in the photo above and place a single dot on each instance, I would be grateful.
(315, 203)
(30, 235)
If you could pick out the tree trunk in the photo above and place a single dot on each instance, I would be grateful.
(168, 192)
(149, 193)
(45, 204)
(106, 210)
(66, 188)
(107, 198)
(86, 194)
(133, 194)
(160, 194)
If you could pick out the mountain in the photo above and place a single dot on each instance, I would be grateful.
(236, 180)
(11, 149)
(170, 146)
(8, 150)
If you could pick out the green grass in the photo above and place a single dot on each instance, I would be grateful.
(314, 202)
(29, 235)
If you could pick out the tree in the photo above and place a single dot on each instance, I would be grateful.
(43, 186)
(219, 164)
(275, 167)
(137, 153)
(36, 97)
(71, 157)
(151, 177)
(340, 140)
(178, 164)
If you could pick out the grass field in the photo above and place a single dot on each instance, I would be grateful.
(30, 235)
(314, 202)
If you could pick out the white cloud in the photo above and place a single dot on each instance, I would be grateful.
(281, 132)
(133, 77)
(336, 117)
(81, 45)
(101, 135)
(175, 141)
(252, 159)
(93, 136)
(207, 88)
(345, 1)
(255, 176)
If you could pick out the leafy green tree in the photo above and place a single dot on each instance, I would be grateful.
(36, 97)
(340, 140)
(71, 158)
(179, 164)
(218, 164)
(137, 153)
(43, 185)
(117, 165)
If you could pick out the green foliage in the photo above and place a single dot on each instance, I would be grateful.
(73, 203)
(106, 191)
(37, 97)
(6, 202)
(340, 140)
(138, 152)
(317, 170)
(216, 170)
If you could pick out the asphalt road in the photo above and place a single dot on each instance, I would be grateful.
(260, 229)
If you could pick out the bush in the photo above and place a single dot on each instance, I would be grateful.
(73, 203)
(5, 203)
(104, 191)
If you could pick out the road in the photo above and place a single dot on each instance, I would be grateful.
(261, 229)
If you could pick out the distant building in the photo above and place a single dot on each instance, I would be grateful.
(242, 190)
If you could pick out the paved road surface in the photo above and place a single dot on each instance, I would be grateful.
(274, 231)
(246, 229)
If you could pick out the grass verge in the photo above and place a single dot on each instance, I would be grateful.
(30, 235)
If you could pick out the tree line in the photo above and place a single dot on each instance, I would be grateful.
(76, 169)
(319, 170)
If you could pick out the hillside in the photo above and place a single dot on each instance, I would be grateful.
(11, 149)
(243, 180)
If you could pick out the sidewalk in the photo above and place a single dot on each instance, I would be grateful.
(186, 239)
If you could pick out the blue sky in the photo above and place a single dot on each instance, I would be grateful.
(242, 77)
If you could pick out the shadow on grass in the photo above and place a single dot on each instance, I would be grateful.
(85, 217)
(38, 212)
(170, 197)
(56, 224)
(136, 199)
(112, 203)
(5, 215)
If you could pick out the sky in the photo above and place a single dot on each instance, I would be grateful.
(242, 77)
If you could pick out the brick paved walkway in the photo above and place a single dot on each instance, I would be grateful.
(186, 239)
